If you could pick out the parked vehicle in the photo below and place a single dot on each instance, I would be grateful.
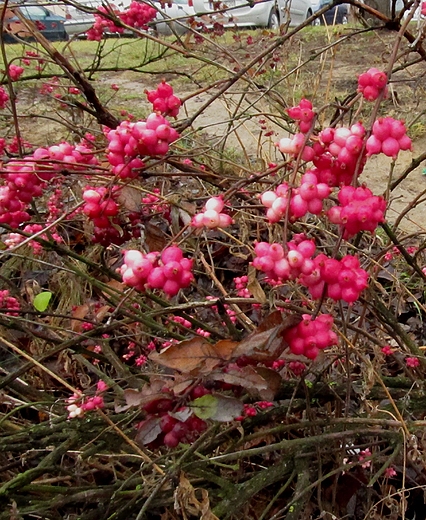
(79, 20)
(337, 14)
(49, 24)
(271, 14)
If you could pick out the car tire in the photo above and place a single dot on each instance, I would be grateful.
(316, 22)
(274, 21)
(345, 19)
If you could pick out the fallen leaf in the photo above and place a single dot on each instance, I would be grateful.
(195, 355)
(42, 300)
(258, 381)
(130, 198)
(266, 343)
(155, 238)
(148, 431)
(187, 504)
(254, 286)
(79, 313)
(273, 383)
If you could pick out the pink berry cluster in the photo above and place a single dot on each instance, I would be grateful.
(10, 303)
(303, 114)
(212, 216)
(169, 271)
(129, 141)
(103, 210)
(15, 72)
(175, 427)
(307, 198)
(338, 279)
(65, 156)
(79, 404)
(278, 265)
(311, 335)
(294, 145)
(14, 239)
(372, 83)
(388, 136)
(12, 209)
(26, 178)
(103, 25)
(241, 286)
(138, 15)
(359, 210)
(338, 152)
(4, 98)
(152, 203)
(163, 100)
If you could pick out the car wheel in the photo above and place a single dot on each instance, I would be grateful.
(274, 22)
(316, 22)
(345, 19)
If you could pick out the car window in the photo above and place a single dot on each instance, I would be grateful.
(34, 11)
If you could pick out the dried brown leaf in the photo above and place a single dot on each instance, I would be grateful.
(186, 502)
(155, 238)
(130, 198)
(79, 313)
(196, 356)
(266, 343)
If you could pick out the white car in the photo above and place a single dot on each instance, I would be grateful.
(240, 13)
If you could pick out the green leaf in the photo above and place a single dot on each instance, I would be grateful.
(42, 300)
(217, 407)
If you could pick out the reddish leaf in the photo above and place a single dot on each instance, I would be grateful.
(148, 430)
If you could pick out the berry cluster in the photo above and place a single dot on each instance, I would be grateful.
(138, 15)
(338, 279)
(15, 72)
(163, 99)
(26, 178)
(179, 426)
(303, 114)
(171, 272)
(388, 136)
(152, 203)
(241, 286)
(372, 83)
(272, 260)
(338, 152)
(144, 138)
(65, 156)
(294, 145)
(14, 239)
(212, 216)
(103, 25)
(4, 98)
(360, 210)
(102, 209)
(307, 198)
(311, 336)
(79, 404)
(10, 303)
